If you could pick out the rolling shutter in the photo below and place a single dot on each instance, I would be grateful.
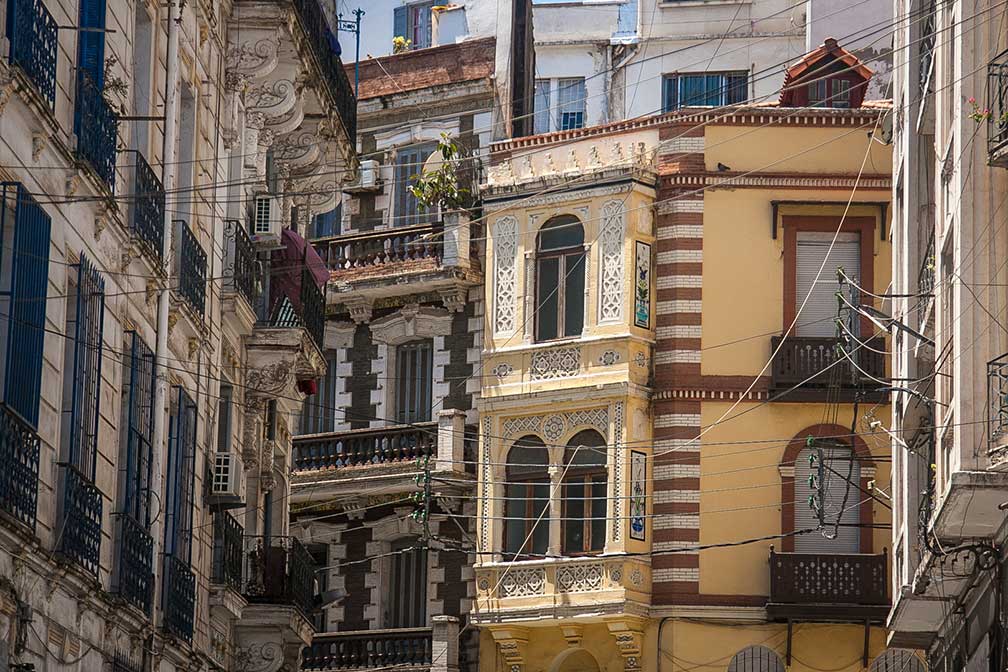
(818, 315)
(848, 539)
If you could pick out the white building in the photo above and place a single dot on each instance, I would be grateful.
(149, 370)
(950, 134)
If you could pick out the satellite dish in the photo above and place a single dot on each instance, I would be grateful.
(885, 132)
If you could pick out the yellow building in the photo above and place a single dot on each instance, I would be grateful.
(610, 537)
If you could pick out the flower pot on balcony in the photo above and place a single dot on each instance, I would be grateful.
(456, 239)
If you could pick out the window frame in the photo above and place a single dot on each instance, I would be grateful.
(864, 225)
(527, 481)
(402, 198)
(586, 476)
(403, 387)
(673, 82)
(563, 277)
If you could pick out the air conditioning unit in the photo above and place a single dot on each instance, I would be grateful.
(368, 178)
(267, 219)
(227, 490)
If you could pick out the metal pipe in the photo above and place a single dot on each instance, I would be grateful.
(164, 294)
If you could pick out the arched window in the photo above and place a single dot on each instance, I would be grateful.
(756, 659)
(898, 660)
(836, 465)
(560, 279)
(527, 496)
(585, 493)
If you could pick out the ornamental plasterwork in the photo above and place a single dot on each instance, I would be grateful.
(562, 197)
(617, 469)
(523, 581)
(580, 577)
(556, 363)
(487, 489)
(611, 267)
(505, 274)
(257, 58)
(557, 423)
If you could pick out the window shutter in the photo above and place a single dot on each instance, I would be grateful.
(86, 372)
(848, 538)
(399, 28)
(670, 93)
(542, 106)
(180, 479)
(91, 44)
(817, 318)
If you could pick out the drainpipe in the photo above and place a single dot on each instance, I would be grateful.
(661, 623)
(164, 294)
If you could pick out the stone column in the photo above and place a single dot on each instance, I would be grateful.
(444, 644)
(451, 440)
(555, 512)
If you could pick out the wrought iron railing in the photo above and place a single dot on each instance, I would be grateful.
(80, 523)
(19, 457)
(378, 248)
(997, 106)
(997, 404)
(306, 310)
(241, 268)
(192, 265)
(228, 537)
(178, 602)
(32, 32)
(320, 41)
(925, 284)
(926, 46)
(280, 571)
(828, 578)
(811, 363)
(366, 649)
(97, 128)
(148, 208)
(388, 445)
(135, 570)
(313, 308)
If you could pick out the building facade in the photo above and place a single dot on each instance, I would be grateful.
(399, 402)
(150, 366)
(950, 135)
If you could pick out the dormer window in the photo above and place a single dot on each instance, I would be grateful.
(832, 92)
(829, 76)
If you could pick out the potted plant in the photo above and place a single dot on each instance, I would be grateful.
(438, 187)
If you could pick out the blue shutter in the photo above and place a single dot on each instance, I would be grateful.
(87, 361)
(28, 261)
(139, 430)
(181, 475)
(91, 44)
(670, 93)
(399, 28)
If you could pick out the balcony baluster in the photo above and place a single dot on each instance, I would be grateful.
(97, 128)
(368, 649)
(388, 445)
(32, 32)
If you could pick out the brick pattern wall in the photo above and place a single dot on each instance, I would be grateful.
(362, 380)
(677, 366)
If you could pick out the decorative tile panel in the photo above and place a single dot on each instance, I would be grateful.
(523, 581)
(611, 262)
(558, 363)
(580, 577)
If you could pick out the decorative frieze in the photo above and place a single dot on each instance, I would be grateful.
(505, 275)
(611, 267)
(556, 363)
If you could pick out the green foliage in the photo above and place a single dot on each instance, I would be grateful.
(440, 187)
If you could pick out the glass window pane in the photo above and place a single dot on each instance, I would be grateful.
(542, 106)
(514, 511)
(561, 233)
(598, 509)
(670, 93)
(571, 107)
(574, 294)
(738, 88)
(547, 298)
(540, 536)
(691, 90)
(573, 524)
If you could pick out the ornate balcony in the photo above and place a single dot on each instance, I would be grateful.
(147, 208)
(32, 32)
(228, 539)
(431, 258)
(135, 563)
(97, 128)
(192, 265)
(827, 586)
(369, 649)
(81, 520)
(19, 455)
(242, 272)
(561, 588)
(304, 308)
(178, 598)
(809, 366)
(280, 572)
(925, 285)
(997, 104)
(997, 412)
(395, 445)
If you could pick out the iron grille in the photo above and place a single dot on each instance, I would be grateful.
(139, 430)
(123, 662)
(926, 46)
(313, 308)
(368, 650)
(179, 598)
(19, 455)
(148, 209)
(85, 387)
(281, 571)
(997, 401)
(180, 476)
(80, 536)
(32, 32)
(997, 105)
(135, 569)
(227, 550)
(241, 268)
(337, 84)
(27, 267)
(97, 128)
(192, 263)
(925, 284)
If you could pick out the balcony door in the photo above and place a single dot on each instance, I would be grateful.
(414, 378)
(836, 465)
(817, 318)
(406, 590)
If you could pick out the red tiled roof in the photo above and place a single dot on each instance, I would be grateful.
(829, 48)
(422, 68)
